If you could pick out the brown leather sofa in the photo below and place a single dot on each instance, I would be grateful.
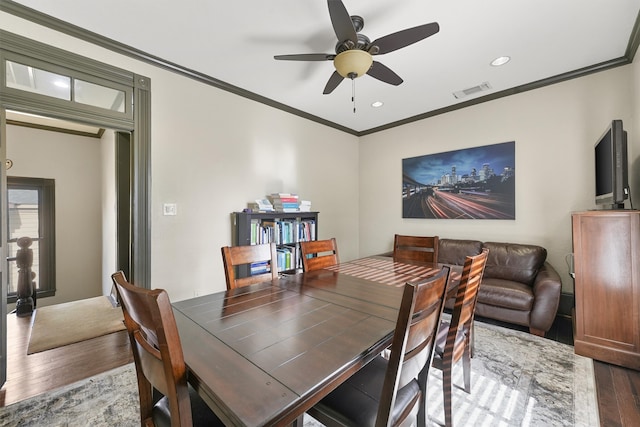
(518, 285)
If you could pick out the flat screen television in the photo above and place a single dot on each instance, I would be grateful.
(611, 167)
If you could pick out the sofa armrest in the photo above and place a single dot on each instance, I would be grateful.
(547, 288)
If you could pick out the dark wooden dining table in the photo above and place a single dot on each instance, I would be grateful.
(262, 355)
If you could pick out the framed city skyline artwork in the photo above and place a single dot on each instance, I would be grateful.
(473, 183)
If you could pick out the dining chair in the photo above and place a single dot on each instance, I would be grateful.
(157, 353)
(317, 254)
(415, 248)
(392, 392)
(233, 256)
(454, 341)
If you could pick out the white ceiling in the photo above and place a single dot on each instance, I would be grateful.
(235, 41)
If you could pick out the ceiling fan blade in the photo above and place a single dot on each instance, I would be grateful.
(405, 38)
(333, 83)
(384, 74)
(341, 21)
(307, 57)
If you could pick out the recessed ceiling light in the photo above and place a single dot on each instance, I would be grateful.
(62, 84)
(501, 60)
(377, 104)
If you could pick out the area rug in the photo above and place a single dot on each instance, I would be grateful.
(517, 379)
(62, 324)
(108, 399)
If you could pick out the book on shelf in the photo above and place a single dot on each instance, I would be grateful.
(307, 230)
(289, 258)
(271, 231)
(260, 268)
(286, 259)
(282, 232)
(262, 232)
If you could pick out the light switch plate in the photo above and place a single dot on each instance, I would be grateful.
(170, 209)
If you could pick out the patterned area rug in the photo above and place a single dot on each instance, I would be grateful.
(517, 379)
(108, 399)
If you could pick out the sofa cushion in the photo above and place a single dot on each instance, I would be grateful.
(506, 294)
(454, 251)
(511, 261)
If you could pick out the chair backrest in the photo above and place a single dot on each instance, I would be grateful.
(157, 350)
(415, 248)
(465, 305)
(413, 341)
(317, 254)
(233, 256)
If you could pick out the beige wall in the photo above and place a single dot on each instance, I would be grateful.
(212, 152)
(554, 128)
(74, 162)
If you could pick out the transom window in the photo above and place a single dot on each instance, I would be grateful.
(43, 82)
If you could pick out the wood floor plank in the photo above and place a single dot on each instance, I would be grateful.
(607, 401)
(625, 383)
(34, 374)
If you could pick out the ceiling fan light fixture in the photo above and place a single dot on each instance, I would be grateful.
(352, 62)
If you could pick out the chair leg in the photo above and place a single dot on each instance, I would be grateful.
(472, 341)
(466, 370)
(423, 410)
(447, 385)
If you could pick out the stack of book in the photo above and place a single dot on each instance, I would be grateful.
(261, 205)
(305, 206)
(284, 202)
(260, 268)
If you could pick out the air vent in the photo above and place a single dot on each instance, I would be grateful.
(472, 90)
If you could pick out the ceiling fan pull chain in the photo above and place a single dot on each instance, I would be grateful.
(353, 94)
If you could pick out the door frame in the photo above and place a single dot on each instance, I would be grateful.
(136, 122)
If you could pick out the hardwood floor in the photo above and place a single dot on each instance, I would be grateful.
(30, 375)
(618, 395)
(618, 389)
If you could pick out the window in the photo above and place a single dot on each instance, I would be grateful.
(31, 79)
(60, 86)
(31, 213)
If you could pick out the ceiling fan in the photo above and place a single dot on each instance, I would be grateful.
(354, 50)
